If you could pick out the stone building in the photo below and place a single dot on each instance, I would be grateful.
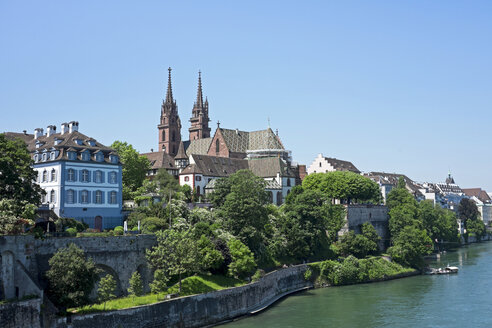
(323, 164)
(82, 178)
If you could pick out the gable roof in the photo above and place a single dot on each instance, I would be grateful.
(340, 165)
(479, 193)
(392, 179)
(160, 159)
(269, 167)
(241, 141)
(198, 146)
(214, 165)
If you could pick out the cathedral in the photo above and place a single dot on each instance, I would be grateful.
(205, 157)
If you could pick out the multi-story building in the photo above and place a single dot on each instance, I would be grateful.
(81, 177)
(323, 164)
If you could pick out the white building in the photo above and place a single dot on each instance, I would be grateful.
(323, 164)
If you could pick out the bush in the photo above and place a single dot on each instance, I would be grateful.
(72, 232)
(258, 275)
(153, 224)
(243, 262)
(118, 231)
(136, 285)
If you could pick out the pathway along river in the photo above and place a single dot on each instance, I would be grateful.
(459, 300)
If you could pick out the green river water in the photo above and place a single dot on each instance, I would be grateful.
(457, 300)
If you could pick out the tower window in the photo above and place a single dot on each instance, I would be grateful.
(173, 136)
(163, 135)
(217, 145)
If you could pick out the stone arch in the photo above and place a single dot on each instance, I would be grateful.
(104, 271)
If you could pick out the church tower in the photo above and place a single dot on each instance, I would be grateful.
(170, 124)
(199, 118)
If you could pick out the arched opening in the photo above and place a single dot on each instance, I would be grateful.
(105, 270)
(143, 270)
(98, 224)
(279, 198)
(198, 190)
(270, 196)
(173, 136)
(163, 136)
(217, 145)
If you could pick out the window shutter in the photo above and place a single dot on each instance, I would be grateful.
(89, 197)
(102, 197)
(74, 175)
(94, 176)
(89, 176)
(102, 177)
(80, 196)
(80, 176)
(75, 196)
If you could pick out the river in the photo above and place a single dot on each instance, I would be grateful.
(457, 300)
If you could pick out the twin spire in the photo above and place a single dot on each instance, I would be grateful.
(199, 94)
(169, 95)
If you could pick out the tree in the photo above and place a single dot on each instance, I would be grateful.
(243, 262)
(71, 277)
(135, 167)
(166, 183)
(176, 253)
(17, 177)
(159, 284)
(107, 288)
(476, 227)
(467, 210)
(412, 243)
(440, 224)
(136, 285)
(14, 215)
(343, 185)
(241, 202)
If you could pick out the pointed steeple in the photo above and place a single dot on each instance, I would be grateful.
(181, 154)
(199, 96)
(169, 95)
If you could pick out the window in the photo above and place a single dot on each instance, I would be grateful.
(279, 198)
(198, 190)
(44, 157)
(173, 136)
(217, 145)
(84, 197)
(43, 198)
(187, 179)
(71, 175)
(70, 196)
(270, 196)
(163, 135)
(85, 176)
(98, 197)
(85, 156)
(45, 176)
(198, 178)
(112, 177)
(52, 196)
(288, 182)
(52, 155)
(112, 197)
(72, 156)
(98, 177)
(36, 158)
(319, 164)
(53, 175)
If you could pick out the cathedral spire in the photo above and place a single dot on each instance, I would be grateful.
(199, 96)
(169, 95)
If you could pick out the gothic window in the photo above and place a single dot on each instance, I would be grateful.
(84, 197)
(288, 182)
(279, 198)
(71, 175)
(44, 157)
(270, 195)
(198, 178)
(319, 164)
(112, 197)
(52, 196)
(217, 145)
(198, 190)
(53, 175)
(52, 155)
(174, 149)
(70, 197)
(45, 176)
(163, 135)
(85, 176)
(98, 197)
(173, 136)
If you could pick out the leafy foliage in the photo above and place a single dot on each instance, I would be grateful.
(15, 215)
(107, 288)
(71, 277)
(360, 245)
(243, 262)
(410, 245)
(343, 185)
(136, 285)
(135, 167)
(17, 177)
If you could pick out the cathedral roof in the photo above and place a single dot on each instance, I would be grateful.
(197, 146)
(269, 167)
(242, 141)
(181, 154)
(214, 166)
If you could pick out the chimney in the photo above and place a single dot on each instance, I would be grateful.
(237, 131)
(50, 130)
(38, 133)
(64, 128)
(73, 126)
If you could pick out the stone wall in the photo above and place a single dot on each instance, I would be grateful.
(198, 310)
(377, 215)
(23, 314)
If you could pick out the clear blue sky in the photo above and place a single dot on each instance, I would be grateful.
(396, 86)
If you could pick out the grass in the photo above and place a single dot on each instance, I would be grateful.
(198, 284)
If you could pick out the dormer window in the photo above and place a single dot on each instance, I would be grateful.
(91, 142)
(99, 156)
(44, 157)
(78, 141)
(52, 155)
(36, 158)
(58, 141)
(72, 155)
(113, 158)
(86, 156)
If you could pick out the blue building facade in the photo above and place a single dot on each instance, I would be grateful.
(82, 178)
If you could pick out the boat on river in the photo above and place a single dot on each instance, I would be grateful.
(445, 270)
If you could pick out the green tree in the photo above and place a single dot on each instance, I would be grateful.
(344, 185)
(357, 245)
(241, 202)
(243, 262)
(17, 177)
(15, 215)
(71, 277)
(409, 247)
(211, 257)
(135, 167)
(176, 253)
(440, 224)
(107, 288)
(476, 227)
(159, 284)
(136, 285)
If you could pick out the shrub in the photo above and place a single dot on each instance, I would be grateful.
(72, 232)
(243, 262)
(136, 285)
(258, 275)
(118, 231)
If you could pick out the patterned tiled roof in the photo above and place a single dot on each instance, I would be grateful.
(392, 179)
(214, 166)
(242, 141)
(340, 165)
(269, 167)
(198, 146)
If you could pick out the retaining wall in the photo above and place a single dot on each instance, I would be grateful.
(198, 310)
(23, 314)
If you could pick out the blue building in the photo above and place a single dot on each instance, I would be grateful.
(81, 177)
